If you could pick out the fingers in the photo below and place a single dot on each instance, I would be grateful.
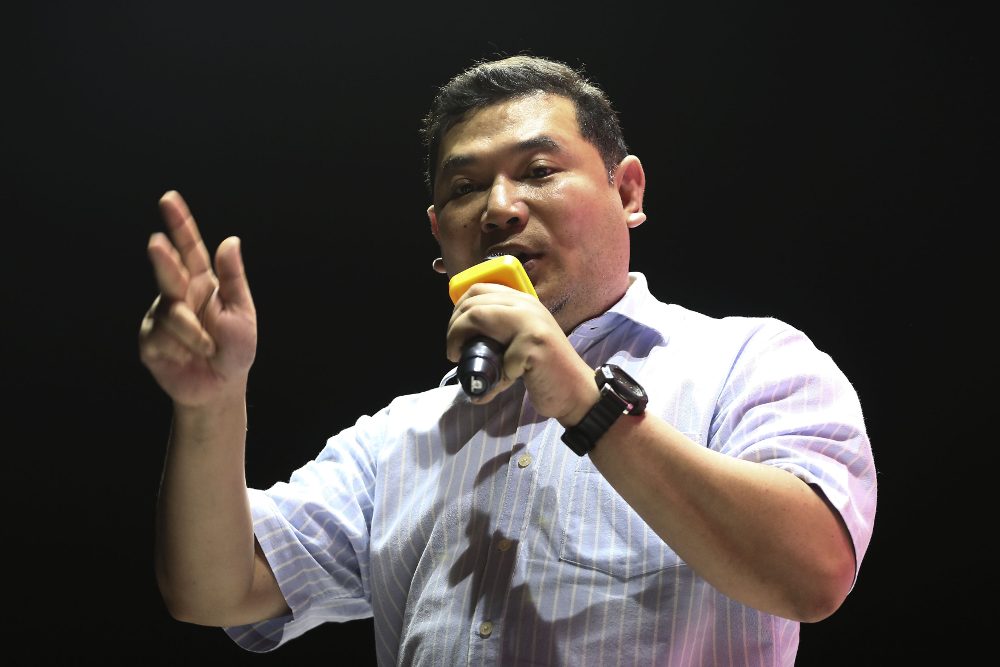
(172, 331)
(498, 315)
(171, 275)
(480, 289)
(494, 321)
(501, 386)
(181, 322)
(164, 348)
(234, 290)
(536, 347)
(185, 234)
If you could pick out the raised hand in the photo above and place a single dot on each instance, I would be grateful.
(199, 337)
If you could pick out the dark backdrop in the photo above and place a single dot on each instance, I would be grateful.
(822, 165)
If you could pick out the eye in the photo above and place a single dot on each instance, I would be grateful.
(462, 188)
(541, 171)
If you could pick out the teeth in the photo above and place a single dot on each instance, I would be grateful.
(521, 256)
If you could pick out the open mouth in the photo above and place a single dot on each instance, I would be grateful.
(522, 256)
(527, 260)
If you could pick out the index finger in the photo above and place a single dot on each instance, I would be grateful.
(479, 289)
(184, 233)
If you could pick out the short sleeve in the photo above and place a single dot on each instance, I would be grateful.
(315, 532)
(786, 404)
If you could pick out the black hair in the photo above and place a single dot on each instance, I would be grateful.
(489, 83)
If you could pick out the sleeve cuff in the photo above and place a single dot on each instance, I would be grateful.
(286, 556)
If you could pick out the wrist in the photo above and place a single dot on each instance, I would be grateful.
(226, 403)
(587, 396)
(618, 394)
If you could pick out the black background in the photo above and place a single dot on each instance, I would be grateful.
(823, 165)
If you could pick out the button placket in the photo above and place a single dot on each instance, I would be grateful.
(509, 530)
(499, 568)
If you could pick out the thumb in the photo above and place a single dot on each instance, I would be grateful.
(233, 287)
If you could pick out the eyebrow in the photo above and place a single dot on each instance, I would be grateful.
(541, 141)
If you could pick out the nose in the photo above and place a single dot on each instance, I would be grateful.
(504, 207)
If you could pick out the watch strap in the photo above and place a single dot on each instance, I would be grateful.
(583, 437)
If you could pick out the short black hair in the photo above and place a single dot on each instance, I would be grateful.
(489, 83)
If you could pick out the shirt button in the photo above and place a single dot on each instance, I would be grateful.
(504, 544)
(485, 629)
(524, 461)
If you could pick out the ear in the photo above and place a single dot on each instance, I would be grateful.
(437, 264)
(434, 223)
(630, 180)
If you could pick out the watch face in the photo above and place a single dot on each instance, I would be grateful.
(627, 383)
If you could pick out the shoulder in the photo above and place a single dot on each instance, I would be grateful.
(420, 412)
(682, 327)
(745, 349)
(416, 411)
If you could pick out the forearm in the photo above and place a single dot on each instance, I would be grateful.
(756, 533)
(204, 532)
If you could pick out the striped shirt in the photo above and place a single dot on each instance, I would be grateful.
(473, 535)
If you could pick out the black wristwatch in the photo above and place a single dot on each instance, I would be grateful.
(620, 395)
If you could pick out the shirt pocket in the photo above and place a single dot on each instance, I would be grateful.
(602, 532)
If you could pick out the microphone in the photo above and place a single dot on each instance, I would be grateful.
(479, 369)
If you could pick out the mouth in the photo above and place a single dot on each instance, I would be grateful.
(523, 255)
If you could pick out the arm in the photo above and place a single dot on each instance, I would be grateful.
(756, 533)
(198, 340)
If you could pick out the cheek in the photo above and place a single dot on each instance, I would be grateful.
(572, 213)
(456, 224)
(460, 240)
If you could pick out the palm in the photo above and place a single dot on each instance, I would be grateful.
(200, 336)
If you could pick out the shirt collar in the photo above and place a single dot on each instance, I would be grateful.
(636, 305)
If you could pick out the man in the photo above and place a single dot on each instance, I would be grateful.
(533, 525)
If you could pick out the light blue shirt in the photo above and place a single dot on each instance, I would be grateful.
(473, 535)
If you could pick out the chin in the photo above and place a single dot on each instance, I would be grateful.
(555, 305)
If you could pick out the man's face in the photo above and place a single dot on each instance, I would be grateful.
(517, 178)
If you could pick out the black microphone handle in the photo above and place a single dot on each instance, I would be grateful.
(481, 364)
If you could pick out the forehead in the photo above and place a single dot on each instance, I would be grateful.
(499, 126)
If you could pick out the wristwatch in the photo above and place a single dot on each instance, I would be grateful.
(620, 395)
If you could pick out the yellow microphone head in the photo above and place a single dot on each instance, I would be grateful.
(503, 270)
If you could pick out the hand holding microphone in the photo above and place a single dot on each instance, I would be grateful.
(479, 368)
